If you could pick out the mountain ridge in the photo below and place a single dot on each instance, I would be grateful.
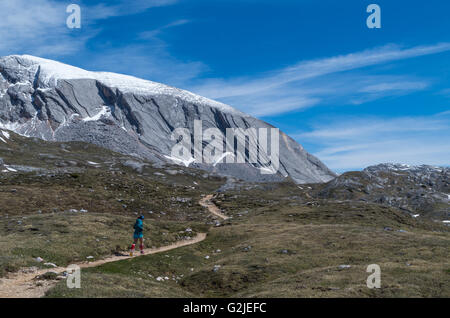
(419, 190)
(58, 102)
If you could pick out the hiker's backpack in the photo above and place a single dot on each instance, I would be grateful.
(137, 227)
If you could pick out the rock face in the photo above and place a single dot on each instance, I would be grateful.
(57, 102)
(415, 189)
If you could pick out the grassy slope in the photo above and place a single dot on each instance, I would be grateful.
(295, 251)
(35, 217)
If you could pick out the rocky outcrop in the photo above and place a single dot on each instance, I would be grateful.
(415, 189)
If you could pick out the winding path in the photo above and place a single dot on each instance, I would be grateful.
(207, 203)
(23, 284)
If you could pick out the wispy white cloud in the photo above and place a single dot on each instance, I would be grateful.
(268, 104)
(399, 86)
(135, 60)
(31, 26)
(152, 34)
(354, 143)
(114, 8)
(38, 27)
(318, 80)
(379, 88)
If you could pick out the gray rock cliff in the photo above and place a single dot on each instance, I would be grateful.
(57, 102)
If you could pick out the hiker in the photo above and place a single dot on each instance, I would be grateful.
(138, 235)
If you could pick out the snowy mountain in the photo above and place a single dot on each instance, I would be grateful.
(58, 102)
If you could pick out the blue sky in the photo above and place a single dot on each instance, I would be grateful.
(353, 96)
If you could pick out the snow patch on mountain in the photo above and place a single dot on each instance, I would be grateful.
(105, 111)
(12, 126)
(26, 129)
(179, 161)
(223, 156)
(5, 134)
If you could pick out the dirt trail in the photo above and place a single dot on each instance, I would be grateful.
(23, 285)
(207, 203)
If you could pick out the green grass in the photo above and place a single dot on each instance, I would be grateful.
(309, 269)
(66, 238)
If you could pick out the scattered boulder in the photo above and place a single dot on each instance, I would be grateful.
(344, 266)
(51, 275)
(183, 200)
(286, 252)
(174, 172)
(50, 265)
(135, 165)
(32, 269)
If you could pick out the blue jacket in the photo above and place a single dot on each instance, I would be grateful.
(138, 226)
